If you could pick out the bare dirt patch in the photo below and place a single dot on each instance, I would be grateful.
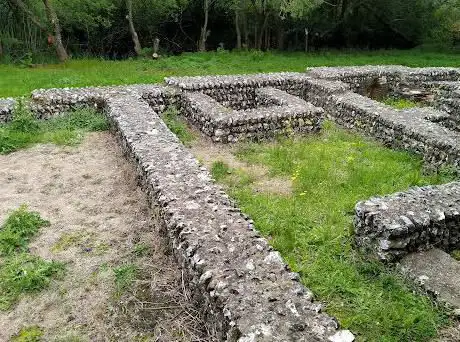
(100, 223)
(208, 152)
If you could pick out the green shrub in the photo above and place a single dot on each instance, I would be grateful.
(24, 120)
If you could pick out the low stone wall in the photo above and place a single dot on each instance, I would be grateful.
(361, 78)
(415, 130)
(232, 108)
(392, 78)
(244, 288)
(238, 92)
(419, 219)
(6, 109)
(278, 113)
(49, 102)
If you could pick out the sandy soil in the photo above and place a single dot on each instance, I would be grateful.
(99, 221)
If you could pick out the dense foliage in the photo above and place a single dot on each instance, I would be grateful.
(119, 28)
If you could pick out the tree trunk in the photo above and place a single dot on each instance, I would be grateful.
(281, 38)
(246, 32)
(156, 45)
(156, 48)
(1, 49)
(306, 39)
(132, 29)
(54, 20)
(204, 29)
(267, 39)
(263, 29)
(238, 30)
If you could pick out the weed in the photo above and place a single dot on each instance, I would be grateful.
(24, 120)
(69, 337)
(72, 239)
(141, 249)
(18, 229)
(28, 334)
(177, 125)
(220, 170)
(124, 277)
(312, 228)
(24, 273)
(86, 119)
(21, 272)
(456, 254)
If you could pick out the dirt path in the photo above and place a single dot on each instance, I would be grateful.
(102, 229)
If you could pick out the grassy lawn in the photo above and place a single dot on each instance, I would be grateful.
(312, 227)
(18, 81)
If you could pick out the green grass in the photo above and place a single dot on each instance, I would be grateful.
(28, 334)
(18, 229)
(141, 249)
(400, 103)
(313, 228)
(24, 273)
(124, 277)
(19, 81)
(220, 170)
(68, 129)
(21, 272)
(177, 125)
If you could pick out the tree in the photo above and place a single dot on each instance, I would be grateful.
(447, 14)
(235, 9)
(57, 40)
(90, 18)
(300, 10)
(204, 29)
(132, 30)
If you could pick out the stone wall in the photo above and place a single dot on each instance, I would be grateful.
(416, 130)
(278, 113)
(419, 219)
(243, 287)
(232, 108)
(394, 78)
(238, 91)
(6, 109)
(49, 102)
